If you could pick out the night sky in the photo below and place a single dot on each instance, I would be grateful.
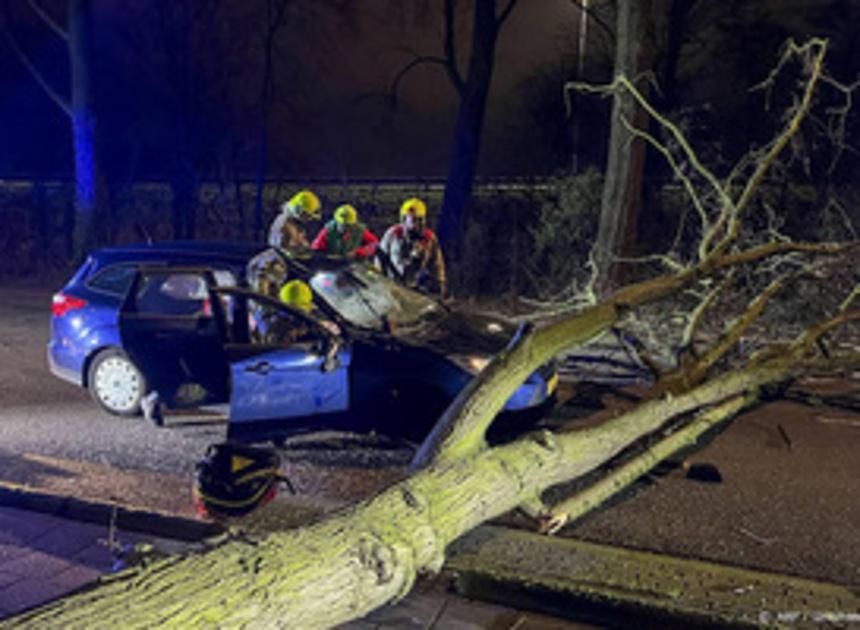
(328, 117)
(172, 80)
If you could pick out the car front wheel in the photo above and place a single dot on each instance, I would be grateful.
(115, 383)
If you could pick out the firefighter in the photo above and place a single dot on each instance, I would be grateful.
(266, 272)
(288, 229)
(298, 294)
(410, 251)
(346, 236)
(272, 327)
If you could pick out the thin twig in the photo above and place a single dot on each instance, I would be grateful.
(49, 21)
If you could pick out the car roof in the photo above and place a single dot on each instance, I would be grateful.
(196, 253)
(227, 249)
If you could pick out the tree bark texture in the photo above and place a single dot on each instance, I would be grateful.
(622, 188)
(468, 128)
(90, 187)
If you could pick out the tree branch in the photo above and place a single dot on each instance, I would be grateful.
(689, 375)
(49, 21)
(816, 48)
(810, 336)
(773, 248)
(450, 49)
(370, 553)
(592, 15)
(695, 319)
(62, 103)
(583, 502)
(506, 12)
(855, 293)
(401, 74)
(622, 82)
(676, 169)
(634, 346)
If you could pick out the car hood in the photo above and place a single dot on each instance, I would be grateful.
(459, 332)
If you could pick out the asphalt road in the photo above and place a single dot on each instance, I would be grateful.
(43, 416)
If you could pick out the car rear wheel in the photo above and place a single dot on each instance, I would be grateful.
(115, 383)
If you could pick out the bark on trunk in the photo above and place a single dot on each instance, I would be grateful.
(622, 190)
(90, 189)
(468, 128)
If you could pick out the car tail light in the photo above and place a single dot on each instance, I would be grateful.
(62, 304)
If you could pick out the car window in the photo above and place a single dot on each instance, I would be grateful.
(114, 279)
(173, 294)
(224, 278)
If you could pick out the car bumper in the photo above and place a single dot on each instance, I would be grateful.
(61, 366)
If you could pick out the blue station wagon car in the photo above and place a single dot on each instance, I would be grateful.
(372, 356)
(85, 346)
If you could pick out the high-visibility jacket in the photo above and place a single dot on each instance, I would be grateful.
(287, 233)
(414, 255)
(345, 239)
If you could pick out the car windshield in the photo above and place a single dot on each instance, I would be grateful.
(366, 298)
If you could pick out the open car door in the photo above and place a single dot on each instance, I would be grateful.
(173, 329)
(285, 364)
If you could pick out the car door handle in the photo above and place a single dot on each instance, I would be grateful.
(261, 367)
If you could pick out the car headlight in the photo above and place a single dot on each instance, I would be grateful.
(471, 363)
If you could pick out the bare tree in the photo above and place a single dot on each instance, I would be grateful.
(371, 553)
(487, 20)
(90, 187)
(472, 89)
(622, 188)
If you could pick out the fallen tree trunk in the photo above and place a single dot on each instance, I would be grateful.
(371, 553)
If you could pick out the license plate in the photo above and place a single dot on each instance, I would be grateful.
(551, 384)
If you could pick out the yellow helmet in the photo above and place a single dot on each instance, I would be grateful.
(346, 214)
(297, 294)
(414, 205)
(303, 203)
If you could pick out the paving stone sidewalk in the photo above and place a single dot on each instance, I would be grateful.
(44, 556)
